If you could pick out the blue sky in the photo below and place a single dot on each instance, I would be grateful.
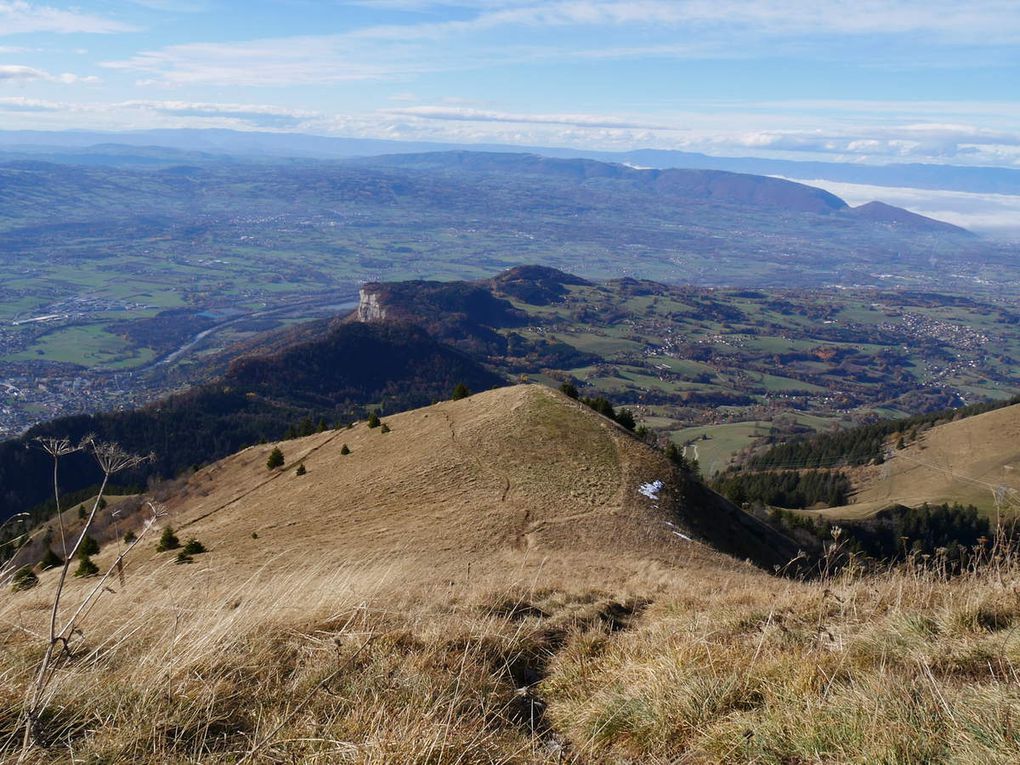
(864, 81)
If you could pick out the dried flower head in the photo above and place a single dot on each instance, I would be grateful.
(113, 459)
(57, 447)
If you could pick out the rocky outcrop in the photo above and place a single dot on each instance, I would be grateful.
(369, 306)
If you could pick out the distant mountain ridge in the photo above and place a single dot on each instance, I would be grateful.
(98, 147)
(701, 185)
(699, 226)
(885, 213)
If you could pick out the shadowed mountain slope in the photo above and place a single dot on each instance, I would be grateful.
(332, 376)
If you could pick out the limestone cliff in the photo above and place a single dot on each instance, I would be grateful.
(369, 307)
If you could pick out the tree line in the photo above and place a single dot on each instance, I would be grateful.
(862, 444)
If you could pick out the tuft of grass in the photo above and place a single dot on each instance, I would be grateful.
(24, 579)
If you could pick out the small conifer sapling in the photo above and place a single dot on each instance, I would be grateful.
(193, 547)
(168, 540)
(275, 459)
(50, 560)
(86, 567)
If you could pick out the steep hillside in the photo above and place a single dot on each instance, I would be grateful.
(496, 580)
(972, 461)
(514, 473)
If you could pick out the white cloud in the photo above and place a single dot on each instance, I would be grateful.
(151, 114)
(993, 214)
(565, 29)
(20, 104)
(976, 21)
(175, 6)
(268, 62)
(16, 73)
(866, 142)
(256, 115)
(20, 17)
(482, 115)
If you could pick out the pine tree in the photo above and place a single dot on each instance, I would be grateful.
(275, 459)
(345, 450)
(569, 390)
(86, 567)
(373, 420)
(626, 418)
(89, 546)
(50, 560)
(193, 547)
(168, 540)
(602, 406)
(460, 391)
(301, 470)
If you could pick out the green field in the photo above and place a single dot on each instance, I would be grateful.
(714, 362)
(717, 444)
(87, 345)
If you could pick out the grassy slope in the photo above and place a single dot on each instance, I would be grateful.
(353, 630)
(502, 477)
(961, 461)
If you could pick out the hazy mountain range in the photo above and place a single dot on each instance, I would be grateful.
(984, 180)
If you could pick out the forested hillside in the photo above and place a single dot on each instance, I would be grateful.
(392, 366)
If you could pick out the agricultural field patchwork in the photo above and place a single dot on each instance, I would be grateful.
(720, 369)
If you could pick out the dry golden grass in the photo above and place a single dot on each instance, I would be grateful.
(962, 461)
(551, 622)
(361, 665)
